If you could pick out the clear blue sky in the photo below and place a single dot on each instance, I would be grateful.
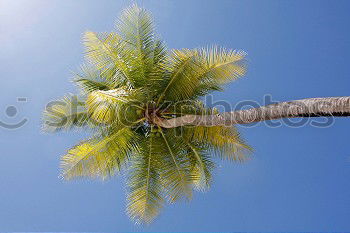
(298, 178)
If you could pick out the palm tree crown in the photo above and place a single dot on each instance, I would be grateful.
(130, 81)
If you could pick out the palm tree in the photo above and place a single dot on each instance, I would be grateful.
(142, 106)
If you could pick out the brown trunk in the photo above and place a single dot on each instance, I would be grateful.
(313, 107)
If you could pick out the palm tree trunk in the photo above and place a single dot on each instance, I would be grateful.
(313, 107)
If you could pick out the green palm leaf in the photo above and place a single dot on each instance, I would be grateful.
(197, 72)
(104, 105)
(102, 156)
(176, 168)
(223, 141)
(136, 28)
(105, 52)
(145, 198)
(89, 79)
(115, 106)
(202, 167)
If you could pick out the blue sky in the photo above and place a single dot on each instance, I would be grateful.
(297, 179)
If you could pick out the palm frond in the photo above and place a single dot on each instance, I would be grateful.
(99, 157)
(105, 105)
(176, 168)
(118, 105)
(105, 52)
(89, 85)
(158, 62)
(65, 114)
(224, 141)
(145, 198)
(202, 167)
(135, 26)
(145, 51)
(222, 65)
(180, 65)
(89, 79)
(194, 73)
